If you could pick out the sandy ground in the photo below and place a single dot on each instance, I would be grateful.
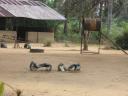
(101, 75)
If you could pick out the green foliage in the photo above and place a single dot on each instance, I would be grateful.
(117, 29)
(118, 33)
(123, 24)
(93, 38)
(59, 34)
(1, 88)
(122, 41)
(66, 44)
(72, 35)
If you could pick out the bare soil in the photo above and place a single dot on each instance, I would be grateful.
(104, 74)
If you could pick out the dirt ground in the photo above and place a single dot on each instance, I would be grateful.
(101, 75)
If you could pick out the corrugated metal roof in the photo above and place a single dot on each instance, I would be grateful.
(28, 9)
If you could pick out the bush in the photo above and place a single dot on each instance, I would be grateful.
(118, 29)
(66, 44)
(122, 41)
(73, 32)
(47, 44)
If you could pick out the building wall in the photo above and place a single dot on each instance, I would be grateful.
(34, 37)
(7, 36)
(40, 37)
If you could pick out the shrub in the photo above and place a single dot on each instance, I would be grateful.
(47, 44)
(122, 41)
(66, 44)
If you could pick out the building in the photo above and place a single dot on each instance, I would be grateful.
(14, 11)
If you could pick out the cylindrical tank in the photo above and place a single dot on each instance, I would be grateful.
(92, 24)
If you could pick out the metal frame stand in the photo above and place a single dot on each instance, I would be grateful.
(99, 40)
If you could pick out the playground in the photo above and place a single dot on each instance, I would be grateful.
(83, 50)
(102, 74)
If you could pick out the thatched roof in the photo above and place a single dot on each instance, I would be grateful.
(28, 9)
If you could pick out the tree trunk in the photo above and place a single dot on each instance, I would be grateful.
(101, 8)
(65, 25)
(110, 7)
(109, 22)
(85, 40)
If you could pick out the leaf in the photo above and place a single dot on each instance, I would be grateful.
(1, 88)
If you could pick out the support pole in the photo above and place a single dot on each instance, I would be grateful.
(82, 34)
(37, 38)
(81, 48)
(16, 44)
(15, 33)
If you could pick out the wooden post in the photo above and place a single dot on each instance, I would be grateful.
(15, 39)
(66, 24)
(100, 35)
(37, 37)
(81, 49)
(82, 34)
(15, 42)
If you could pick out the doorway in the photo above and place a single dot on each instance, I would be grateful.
(21, 36)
